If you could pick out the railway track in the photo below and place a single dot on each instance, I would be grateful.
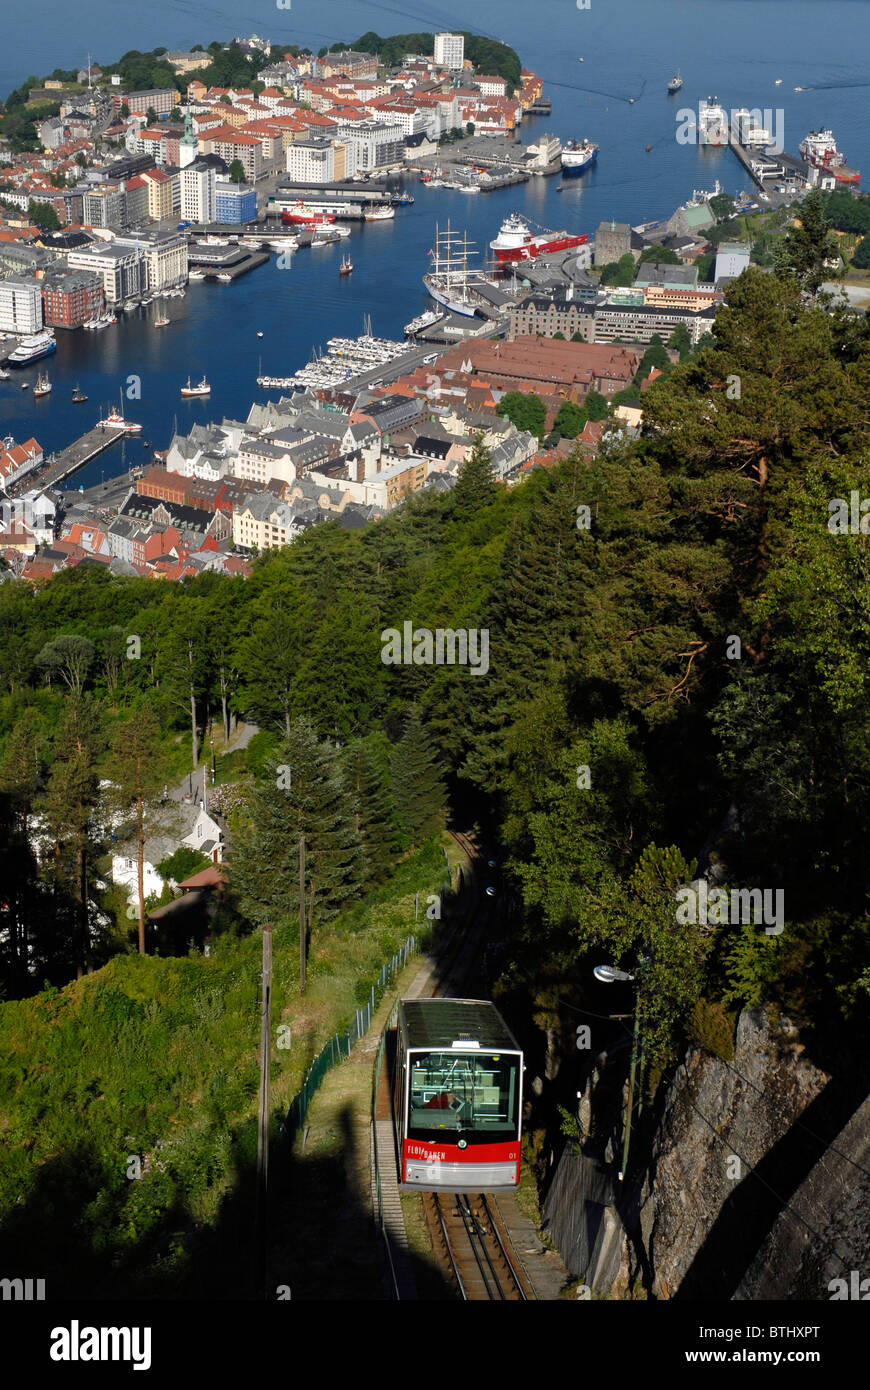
(470, 1238)
(468, 1232)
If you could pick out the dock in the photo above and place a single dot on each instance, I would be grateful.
(74, 457)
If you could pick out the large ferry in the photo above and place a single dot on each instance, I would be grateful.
(578, 155)
(819, 148)
(713, 126)
(517, 242)
(31, 348)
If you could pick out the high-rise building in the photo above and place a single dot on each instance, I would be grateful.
(20, 305)
(198, 190)
(449, 50)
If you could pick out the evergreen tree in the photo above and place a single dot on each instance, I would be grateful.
(136, 775)
(373, 822)
(68, 806)
(19, 781)
(802, 252)
(475, 483)
(418, 789)
(304, 793)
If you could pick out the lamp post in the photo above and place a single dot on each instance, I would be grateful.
(608, 975)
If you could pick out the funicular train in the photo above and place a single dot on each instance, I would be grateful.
(457, 1097)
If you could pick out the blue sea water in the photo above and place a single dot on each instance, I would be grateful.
(733, 49)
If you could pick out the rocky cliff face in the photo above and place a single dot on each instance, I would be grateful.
(740, 1155)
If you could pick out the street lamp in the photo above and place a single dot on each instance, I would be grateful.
(608, 974)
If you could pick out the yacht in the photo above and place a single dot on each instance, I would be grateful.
(31, 348)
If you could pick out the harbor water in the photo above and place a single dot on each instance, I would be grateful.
(733, 49)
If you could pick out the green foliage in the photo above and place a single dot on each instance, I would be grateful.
(802, 252)
(711, 1026)
(662, 255)
(184, 863)
(722, 206)
(237, 171)
(621, 272)
(475, 483)
(524, 410)
(861, 254)
(752, 962)
(43, 215)
(418, 787)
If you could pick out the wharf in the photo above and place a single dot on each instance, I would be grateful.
(249, 261)
(75, 456)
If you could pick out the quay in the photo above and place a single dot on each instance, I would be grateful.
(73, 457)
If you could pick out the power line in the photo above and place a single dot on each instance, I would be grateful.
(786, 1206)
(800, 1124)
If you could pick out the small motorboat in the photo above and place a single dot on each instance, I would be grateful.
(648, 148)
(259, 332)
(558, 188)
(78, 396)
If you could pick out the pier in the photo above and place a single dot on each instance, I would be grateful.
(74, 457)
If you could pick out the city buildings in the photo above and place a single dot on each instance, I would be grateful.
(234, 202)
(122, 269)
(449, 51)
(71, 298)
(20, 305)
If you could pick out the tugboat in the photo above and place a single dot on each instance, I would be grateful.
(78, 396)
(201, 389)
(43, 386)
(346, 266)
(675, 83)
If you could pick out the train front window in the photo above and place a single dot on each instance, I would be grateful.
(476, 1097)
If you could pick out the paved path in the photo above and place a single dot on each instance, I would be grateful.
(193, 781)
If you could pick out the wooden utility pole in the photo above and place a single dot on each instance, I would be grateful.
(302, 927)
(263, 1109)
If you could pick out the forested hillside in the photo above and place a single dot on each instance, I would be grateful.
(678, 646)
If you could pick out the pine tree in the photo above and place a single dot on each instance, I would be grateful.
(303, 793)
(19, 780)
(137, 776)
(475, 483)
(68, 806)
(802, 252)
(373, 821)
(419, 792)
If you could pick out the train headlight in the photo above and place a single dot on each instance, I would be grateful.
(463, 1144)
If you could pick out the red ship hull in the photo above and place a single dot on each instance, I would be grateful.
(537, 246)
(308, 219)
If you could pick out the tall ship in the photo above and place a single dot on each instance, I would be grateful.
(577, 155)
(451, 280)
(675, 83)
(31, 348)
(517, 241)
(713, 125)
(819, 148)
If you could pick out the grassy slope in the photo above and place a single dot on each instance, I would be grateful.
(158, 1058)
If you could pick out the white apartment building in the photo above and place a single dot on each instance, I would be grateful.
(319, 161)
(263, 522)
(198, 193)
(165, 256)
(20, 306)
(122, 269)
(449, 50)
(373, 144)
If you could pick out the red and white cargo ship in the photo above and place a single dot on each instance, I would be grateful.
(517, 242)
(307, 216)
(819, 148)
